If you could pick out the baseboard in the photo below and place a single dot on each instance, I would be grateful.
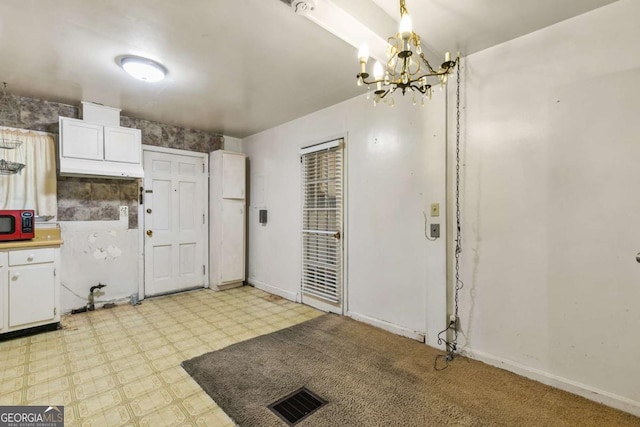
(226, 286)
(390, 327)
(606, 398)
(291, 296)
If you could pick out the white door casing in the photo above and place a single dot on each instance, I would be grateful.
(175, 221)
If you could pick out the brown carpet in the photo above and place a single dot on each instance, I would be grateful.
(374, 378)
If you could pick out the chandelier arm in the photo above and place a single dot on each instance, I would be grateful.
(434, 74)
(419, 89)
(369, 83)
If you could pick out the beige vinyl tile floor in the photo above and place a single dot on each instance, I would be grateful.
(121, 366)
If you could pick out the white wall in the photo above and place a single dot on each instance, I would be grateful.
(395, 170)
(232, 144)
(98, 252)
(551, 210)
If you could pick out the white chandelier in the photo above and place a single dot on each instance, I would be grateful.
(404, 70)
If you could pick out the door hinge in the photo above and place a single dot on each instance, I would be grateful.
(204, 271)
(55, 311)
(202, 167)
(54, 272)
(203, 218)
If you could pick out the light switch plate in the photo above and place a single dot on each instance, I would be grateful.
(435, 209)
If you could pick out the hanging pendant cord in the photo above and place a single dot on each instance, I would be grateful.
(452, 346)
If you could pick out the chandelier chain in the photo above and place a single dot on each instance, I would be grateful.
(424, 58)
(403, 9)
(459, 283)
(452, 346)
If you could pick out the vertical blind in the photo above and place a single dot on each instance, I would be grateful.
(322, 221)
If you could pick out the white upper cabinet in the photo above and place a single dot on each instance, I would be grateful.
(233, 175)
(90, 149)
(82, 140)
(119, 143)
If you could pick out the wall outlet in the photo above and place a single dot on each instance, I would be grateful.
(435, 209)
(435, 230)
(454, 322)
(124, 211)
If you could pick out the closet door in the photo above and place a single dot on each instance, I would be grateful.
(233, 176)
(232, 251)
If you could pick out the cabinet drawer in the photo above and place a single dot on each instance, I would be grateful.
(31, 256)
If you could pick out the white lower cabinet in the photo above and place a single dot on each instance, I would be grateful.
(29, 288)
(31, 295)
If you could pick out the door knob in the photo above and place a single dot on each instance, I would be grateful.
(638, 257)
(148, 211)
(336, 235)
(150, 233)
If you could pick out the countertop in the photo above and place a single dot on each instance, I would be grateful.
(49, 236)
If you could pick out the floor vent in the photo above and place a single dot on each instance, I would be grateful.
(297, 406)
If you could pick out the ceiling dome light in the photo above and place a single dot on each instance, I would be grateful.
(143, 68)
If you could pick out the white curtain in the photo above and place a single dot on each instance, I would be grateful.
(35, 186)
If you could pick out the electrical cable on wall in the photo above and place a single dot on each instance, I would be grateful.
(452, 346)
(426, 228)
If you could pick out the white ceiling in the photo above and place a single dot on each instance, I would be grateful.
(235, 66)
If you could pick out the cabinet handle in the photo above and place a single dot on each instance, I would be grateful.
(30, 258)
(15, 276)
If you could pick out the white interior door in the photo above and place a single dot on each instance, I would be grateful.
(322, 231)
(175, 227)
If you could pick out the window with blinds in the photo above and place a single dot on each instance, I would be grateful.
(322, 221)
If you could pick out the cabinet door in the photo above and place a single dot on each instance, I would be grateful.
(233, 176)
(122, 145)
(81, 140)
(31, 294)
(232, 241)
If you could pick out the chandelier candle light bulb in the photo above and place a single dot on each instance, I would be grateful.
(363, 56)
(378, 72)
(406, 30)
